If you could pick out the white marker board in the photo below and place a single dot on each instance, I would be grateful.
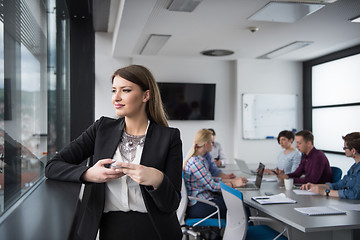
(265, 115)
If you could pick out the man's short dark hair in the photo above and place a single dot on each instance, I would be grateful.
(355, 143)
(213, 131)
(286, 133)
(307, 135)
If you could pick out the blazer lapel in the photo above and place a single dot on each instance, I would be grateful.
(110, 144)
(145, 160)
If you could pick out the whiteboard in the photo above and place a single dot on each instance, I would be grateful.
(265, 115)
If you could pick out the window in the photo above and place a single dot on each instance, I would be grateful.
(33, 93)
(332, 83)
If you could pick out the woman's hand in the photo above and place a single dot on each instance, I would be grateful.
(143, 175)
(99, 173)
(239, 181)
(231, 175)
(281, 175)
(227, 176)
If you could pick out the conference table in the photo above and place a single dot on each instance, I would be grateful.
(302, 226)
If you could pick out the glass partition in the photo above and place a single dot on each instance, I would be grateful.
(33, 40)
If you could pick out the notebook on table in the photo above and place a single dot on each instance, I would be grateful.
(273, 199)
(244, 167)
(257, 184)
(321, 210)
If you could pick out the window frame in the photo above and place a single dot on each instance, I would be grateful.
(307, 87)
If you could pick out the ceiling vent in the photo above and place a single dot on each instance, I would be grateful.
(184, 5)
(217, 52)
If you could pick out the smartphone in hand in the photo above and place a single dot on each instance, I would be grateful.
(114, 166)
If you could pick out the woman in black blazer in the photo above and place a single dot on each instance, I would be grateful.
(132, 185)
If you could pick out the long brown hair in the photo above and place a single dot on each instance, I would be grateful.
(201, 137)
(141, 76)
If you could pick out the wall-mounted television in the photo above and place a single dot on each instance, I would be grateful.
(188, 101)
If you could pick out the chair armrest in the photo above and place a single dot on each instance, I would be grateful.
(217, 211)
(203, 201)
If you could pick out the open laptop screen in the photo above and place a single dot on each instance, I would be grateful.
(259, 174)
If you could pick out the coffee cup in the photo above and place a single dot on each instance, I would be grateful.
(288, 182)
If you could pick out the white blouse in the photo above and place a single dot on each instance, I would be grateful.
(124, 194)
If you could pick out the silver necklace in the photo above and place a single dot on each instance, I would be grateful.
(129, 144)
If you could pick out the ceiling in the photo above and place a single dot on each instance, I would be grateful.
(223, 24)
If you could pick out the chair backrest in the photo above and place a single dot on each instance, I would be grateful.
(183, 204)
(236, 219)
(336, 174)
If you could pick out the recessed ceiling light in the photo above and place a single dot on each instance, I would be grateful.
(285, 49)
(285, 12)
(217, 52)
(154, 44)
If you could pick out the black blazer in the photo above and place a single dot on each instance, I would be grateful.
(162, 150)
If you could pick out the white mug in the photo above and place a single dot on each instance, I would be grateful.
(288, 182)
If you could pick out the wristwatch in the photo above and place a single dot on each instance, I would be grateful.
(327, 191)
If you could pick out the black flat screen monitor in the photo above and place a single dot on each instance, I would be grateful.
(188, 101)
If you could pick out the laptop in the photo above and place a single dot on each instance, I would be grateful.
(244, 167)
(257, 185)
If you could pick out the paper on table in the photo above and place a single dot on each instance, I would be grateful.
(314, 211)
(264, 179)
(347, 207)
(304, 192)
(273, 199)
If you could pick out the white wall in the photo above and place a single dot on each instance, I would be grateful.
(105, 66)
(222, 73)
(264, 76)
(231, 78)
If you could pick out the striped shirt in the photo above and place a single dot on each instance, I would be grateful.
(198, 180)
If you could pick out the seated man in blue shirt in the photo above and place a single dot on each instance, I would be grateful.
(349, 186)
(217, 152)
(214, 170)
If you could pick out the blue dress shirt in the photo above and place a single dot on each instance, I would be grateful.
(211, 165)
(349, 186)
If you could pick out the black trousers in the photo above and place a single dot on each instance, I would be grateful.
(201, 210)
(127, 225)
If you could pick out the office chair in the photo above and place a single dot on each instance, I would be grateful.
(237, 221)
(336, 174)
(188, 224)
